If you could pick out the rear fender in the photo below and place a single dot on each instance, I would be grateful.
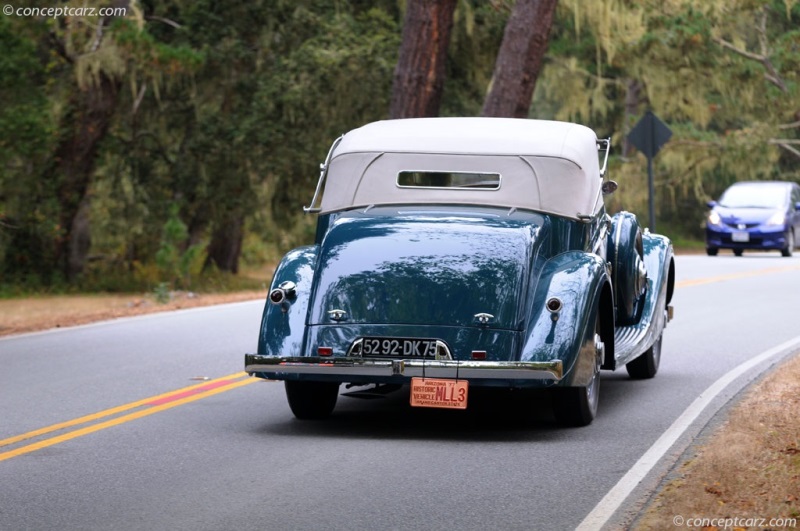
(660, 263)
(581, 282)
(283, 325)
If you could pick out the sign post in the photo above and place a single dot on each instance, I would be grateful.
(648, 135)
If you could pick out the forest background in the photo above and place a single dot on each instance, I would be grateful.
(175, 146)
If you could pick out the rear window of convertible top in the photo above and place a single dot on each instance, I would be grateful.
(448, 179)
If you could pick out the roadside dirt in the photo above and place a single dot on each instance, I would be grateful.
(41, 313)
(746, 474)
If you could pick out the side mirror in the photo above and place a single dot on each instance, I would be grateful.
(797, 206)
(609, 187)
(711, 204)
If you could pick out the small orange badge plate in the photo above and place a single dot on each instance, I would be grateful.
(439, 393)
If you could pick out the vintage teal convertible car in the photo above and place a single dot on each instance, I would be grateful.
(460, 252)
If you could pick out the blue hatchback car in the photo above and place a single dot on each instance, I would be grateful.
(761, 215)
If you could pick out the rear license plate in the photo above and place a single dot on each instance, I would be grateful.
(740, 237)
(400, 347)
(439, 393)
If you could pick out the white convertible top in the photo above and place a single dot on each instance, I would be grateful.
(546, 166)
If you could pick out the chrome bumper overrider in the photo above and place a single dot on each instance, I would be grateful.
(344, 367)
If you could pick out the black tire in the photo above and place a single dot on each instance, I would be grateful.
(311, 400)
(572, 406)
(646, 365)
(737, 252)
(787, 252)
(712, 251)
(577, 406)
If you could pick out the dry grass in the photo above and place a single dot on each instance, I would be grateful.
(40, 313)
(749, 468)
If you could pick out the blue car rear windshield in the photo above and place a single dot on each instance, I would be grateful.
(754, 196)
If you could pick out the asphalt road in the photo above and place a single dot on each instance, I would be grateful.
(110, 426)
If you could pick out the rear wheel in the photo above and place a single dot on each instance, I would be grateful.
(577, 406)
(311, 400)
(646, 365)
(712, 251)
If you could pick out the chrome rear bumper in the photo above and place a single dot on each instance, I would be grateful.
(280, 367)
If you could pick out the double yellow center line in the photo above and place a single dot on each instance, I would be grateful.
(138, 409)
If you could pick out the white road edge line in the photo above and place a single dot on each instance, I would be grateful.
(606, 508)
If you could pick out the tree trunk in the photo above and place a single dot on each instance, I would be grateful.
(420, 72)
(86, 124)
(80, 239)
(520, 59)
(226, 244)
(74, 163)
(634, 98)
